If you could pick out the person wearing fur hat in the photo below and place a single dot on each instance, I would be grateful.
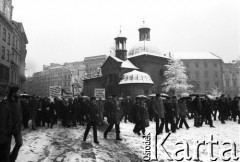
(16, 113)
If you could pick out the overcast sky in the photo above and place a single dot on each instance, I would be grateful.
(68, 30)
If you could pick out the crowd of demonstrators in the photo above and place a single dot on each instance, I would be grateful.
(16, 114)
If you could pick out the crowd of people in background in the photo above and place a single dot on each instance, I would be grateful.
(17, 112)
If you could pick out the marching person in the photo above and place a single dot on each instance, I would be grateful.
(144, 116)
(169, 115)
(92, 117)
(16, 115)
(159, 113)
(136, 116)
(114, 115)
(197, 106)
(5, 130)
(100, 106)
(222, 109)
(183, 113)
(176, 110)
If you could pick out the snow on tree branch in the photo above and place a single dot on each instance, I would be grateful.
(176, 78)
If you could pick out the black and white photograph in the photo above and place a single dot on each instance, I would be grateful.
(119, 80)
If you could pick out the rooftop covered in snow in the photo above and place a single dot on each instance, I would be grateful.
(194, 55)
(136, 77)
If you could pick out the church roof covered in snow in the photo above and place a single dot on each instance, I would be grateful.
(125, 64)
(194, 55)
(144, 46)
(150, 54)
(128, 65)
(136, 77)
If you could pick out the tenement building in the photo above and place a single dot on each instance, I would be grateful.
(231, 79)
(13, 51)
(67, 76)
(93, 65)
(204, 70)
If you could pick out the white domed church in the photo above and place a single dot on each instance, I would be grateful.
(140, 71)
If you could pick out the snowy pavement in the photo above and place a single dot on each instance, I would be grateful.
(66, 145)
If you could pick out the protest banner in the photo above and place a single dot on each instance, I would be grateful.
(99, 93)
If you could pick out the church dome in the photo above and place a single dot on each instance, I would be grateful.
(144, 46)
(136, 77)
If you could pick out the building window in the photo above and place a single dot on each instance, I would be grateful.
(206, 64)
(216, 74)
(13, 42)
(4, 34)
(8, 55)
(197, 74)
(197, 86)
(206, 85)
(206, 74)
(9, 39)
(227, 83)
(196, 64)
(215, 65)
(3, 53)
(234, 83)
(12, 56)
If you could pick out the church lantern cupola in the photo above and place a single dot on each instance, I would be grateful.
(144, 32)
(121, 51)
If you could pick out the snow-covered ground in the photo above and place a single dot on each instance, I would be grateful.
(65, 144)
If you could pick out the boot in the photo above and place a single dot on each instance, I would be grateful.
(105, 135)
(118, 137)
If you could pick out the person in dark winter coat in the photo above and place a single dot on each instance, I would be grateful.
(176, 110)
(136, 116)
(92, 117)
(114, 116)
(169, 115)
(235, 108)
(208, 111)
(25, 111)
(159, 113)
(16, 116)
(100, 106)
(5, 130)
(222, 109)
(52, 113)
(144, 116)
(75, 112)
(215, 108)
(197, 106)
(183, 113)
(127, 106)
